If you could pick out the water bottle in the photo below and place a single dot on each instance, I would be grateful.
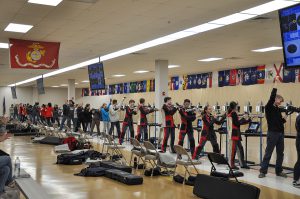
(17, 167)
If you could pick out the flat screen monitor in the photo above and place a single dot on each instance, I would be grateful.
(199, 123)
(13, 92)
(40, 86)
(253, 126)
(96, 76)
(290, 35)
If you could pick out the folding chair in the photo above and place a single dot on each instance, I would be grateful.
(105, 142)
(115, 148)
(185, 160)
(152, 155)
(138, 151)
(220, 160)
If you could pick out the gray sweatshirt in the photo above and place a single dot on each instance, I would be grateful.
(113, 113)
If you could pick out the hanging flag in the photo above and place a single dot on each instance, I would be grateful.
(215, 79)
(4, 106)
(27, 54)
(132, 87)
(152, 85)
(126, 90)
(297, 74)
(85, 92)
(185, 80)
(175, 82)
(239, 77)
(249, 76)
(232, 77)
(117, 89)
(148, 85)
(289, 75)
(121, 88)
(221, 78)
(261, 74)
(226, 78)
(209, 80)
(198, 81)
(279, 71)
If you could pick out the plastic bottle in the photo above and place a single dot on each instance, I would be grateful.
(17, 166)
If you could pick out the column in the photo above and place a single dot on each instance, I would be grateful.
(71, 89)
(161, 85)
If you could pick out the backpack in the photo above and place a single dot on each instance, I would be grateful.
(72, 143)
(71, 159)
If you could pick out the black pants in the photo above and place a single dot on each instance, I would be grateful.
(112, 126)
(274, 139)
(167, 132)
(142, 130)
(213, 141)
(49, 121)
(297, 165)
(237, 148)
(126, 126)
(190, 134)
(56, 119)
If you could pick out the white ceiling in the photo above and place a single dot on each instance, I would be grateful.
(87, 30)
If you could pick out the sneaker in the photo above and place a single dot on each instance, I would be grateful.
(281, 174)
(262, 175)
(296, 184)
(245, 167)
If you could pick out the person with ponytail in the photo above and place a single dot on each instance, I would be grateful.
(208, 133)
(234, 132)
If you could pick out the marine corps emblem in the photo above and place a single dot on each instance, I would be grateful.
(36, 53)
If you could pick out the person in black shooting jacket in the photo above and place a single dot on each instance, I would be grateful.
(66, 110)
(168, 110)
(208, 132)
(275, 135)
(188, 116)
(130, 110)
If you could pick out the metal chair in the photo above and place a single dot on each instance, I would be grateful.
(152, 155)
(185, 160)
(115, 148)
(220, 160)
(138, 151)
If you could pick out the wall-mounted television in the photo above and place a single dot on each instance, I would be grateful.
(290, 34)
(96, 76)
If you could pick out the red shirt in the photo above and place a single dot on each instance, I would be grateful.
(49, 112)
(43, 112)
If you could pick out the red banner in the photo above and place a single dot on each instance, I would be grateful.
(33, 54)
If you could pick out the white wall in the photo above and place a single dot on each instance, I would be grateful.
(24, 95)
(53, 95)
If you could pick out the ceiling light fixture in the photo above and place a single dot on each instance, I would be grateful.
(21, 28)
(141, 71)
(46, 2)
(85, 81)
(119, 75)
(246, 14)
(234, 18)
(210, 59)
(4, 45)
(267, 49)
(173, 66)
(55, 86)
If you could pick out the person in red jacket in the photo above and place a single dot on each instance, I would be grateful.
(130, 110)
(168, 110)
(143, 123)
(20, 112)
(186, 128)
(49, 114)
(233, 129)
(208, 133)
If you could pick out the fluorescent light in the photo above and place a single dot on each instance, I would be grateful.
(76, 83)
(234, 18)
(22, 28)
(173, 66)
(64, 85)
(118, 75)
(85, 81)
(204, 27)
(269, 7)
(210, 59)
(4, 45)
(73, 67)
(267, 49)
(46, 2)
(55, 86)
(141, 71)
(26, 81)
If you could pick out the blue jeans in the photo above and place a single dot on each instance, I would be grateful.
(64, 119)
(274, 139)
(5, 172)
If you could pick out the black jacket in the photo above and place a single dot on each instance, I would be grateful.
(273, 115)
